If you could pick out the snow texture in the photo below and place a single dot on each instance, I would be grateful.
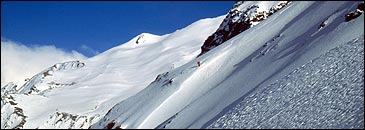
(191, 96)
(78, 93)
(326, 93)
(154, 81)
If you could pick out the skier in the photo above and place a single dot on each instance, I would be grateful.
(172, 67)
(198, 63)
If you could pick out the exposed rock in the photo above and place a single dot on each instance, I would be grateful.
(65, 120)
(354, 14)
(237, 21)
(12, 116)
(32, 85)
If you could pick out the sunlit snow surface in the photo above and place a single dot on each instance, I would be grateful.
(194, 97)
(327, 92)
(154, 81)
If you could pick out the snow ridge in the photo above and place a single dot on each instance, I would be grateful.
(31, 86)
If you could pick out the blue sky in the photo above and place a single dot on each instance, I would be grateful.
(90, 27)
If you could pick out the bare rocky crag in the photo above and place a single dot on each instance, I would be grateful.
(237, 21)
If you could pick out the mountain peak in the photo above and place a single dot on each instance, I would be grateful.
(142, 38)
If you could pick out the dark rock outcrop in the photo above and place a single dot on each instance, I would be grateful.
(238, 20)
(354, 14)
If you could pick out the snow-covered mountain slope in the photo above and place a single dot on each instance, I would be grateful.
(191, 96)
(78, 93)
(327, 92)
(154, 81)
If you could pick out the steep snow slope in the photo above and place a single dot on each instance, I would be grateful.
(191, 96)
(76, 94)
(327, 92)
(114, 89)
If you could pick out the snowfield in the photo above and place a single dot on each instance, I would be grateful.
(90, 90)
(233, 69)
(327, 92)
(302, 67)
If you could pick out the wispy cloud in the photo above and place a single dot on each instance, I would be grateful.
(88, 50)
(19, 61)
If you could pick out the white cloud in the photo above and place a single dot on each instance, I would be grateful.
(89, 50)
(19, 62)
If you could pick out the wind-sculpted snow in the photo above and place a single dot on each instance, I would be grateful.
(327, 92)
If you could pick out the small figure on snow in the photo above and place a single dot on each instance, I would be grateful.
(172, 67)
(198, 63)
